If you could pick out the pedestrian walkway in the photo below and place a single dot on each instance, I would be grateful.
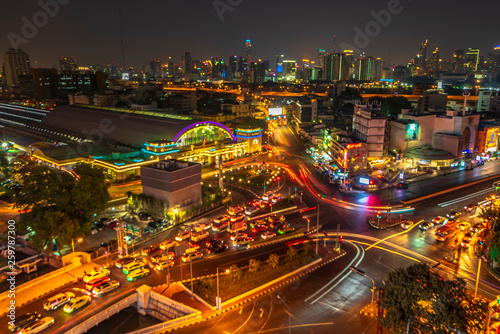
(43, 285)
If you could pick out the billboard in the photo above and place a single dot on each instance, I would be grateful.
(411, 132)
(275, 111)
(491, 139)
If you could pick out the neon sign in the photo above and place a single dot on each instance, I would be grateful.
(351, 146)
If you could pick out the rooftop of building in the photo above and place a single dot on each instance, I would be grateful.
(171, 165)
(429, 153)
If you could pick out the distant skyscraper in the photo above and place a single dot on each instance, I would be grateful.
(363, 68)
(67, 64)
(289, 70)
(188, 69)
(248, 50)
(472, 58)
(434, 61)
(421, 57)
(232, 67)
(321, 57)
(16, 62)
(156, 68)
(336, 67)
(458, 58)
(377, 69)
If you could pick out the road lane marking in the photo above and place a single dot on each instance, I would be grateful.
(394, 235)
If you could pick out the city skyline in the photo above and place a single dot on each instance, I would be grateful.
(78, 31)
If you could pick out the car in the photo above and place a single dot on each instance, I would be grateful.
(464, 226)
(476, 228)
(105, 288)
(197, 236)
(136, 274)
(276, 224)
(425, 225)
(213, 243)
(286, 230)
(237, 217)
(454, 220)
(183, 236)
(402, 185)
(220, 219)
(219, 226)
(23, 321)
(163, 257)
(96, 281)
(453, 214)
(98, 226)
(439, 220)
(470, 207)
(216, 249)
(167, 244)
(150, 250)
(257, 222)
(124, 261)
(191, 256)
(466, 240)
(38, 326)
(237, 235)
(272, 218)
(239, 242)
(406, 224)
(77, 303)
(469, 168)
(202, 227)
(190, 248)
(235, 209)
(259, 228)
(95, 274)
(268, 235)
(164, 264)
(57, 301)
(136, 265)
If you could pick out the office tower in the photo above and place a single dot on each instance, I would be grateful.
(266, 65)
(363, 68)
(45, 82)
(156, 68)
(248, 51)
(215, 67)
(434, 61)
(16, 62)
(289, 70)
(421, 58)
(458, 58)
(67, 64)
(186, 63)
(279, 64)
(472, 59)
(349, 57)
(377, 69)
(232, 67)
(321, 57)
(336, 67)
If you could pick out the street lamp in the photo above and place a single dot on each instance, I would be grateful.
(289, 315)
(218, 302)
(73, 246)
(362, 273)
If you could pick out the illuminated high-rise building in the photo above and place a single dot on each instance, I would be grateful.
(289, 70)
(16, 62)
(434, 61)
(248, 51)
(458, 58)
(472, 59)
(363, 68)
(336, 67)
(377, 69)
(321, 57)
(68, 64)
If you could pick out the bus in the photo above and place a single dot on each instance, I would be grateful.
(447, 231)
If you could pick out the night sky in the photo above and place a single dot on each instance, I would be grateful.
(89, 30)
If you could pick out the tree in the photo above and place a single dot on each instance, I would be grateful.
(273, 261)
(235, 272)
(392, 105)
(495, 248)
(5, 166)
(418, 296)
(68, 200)
(291, 255)
(253, 266)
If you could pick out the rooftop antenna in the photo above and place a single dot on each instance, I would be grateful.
(334, 43)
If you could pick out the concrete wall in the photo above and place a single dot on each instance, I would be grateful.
(450, 143)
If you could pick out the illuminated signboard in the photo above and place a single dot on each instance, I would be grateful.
(411, 132)
(351, 146)
(491, 139)
(125, 76)
(345, 159)
(364, 180)
(275, 111)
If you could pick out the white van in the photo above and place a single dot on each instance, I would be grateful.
(197, 236)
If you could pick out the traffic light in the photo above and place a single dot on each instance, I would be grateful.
(379, 215)
(340, 239)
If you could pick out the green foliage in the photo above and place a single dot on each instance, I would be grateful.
(57, 205)
(392, 105)
(273, 261)
(432, 304)
(5, 166)
(253, 266)
(495, 247)
(140, 202)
